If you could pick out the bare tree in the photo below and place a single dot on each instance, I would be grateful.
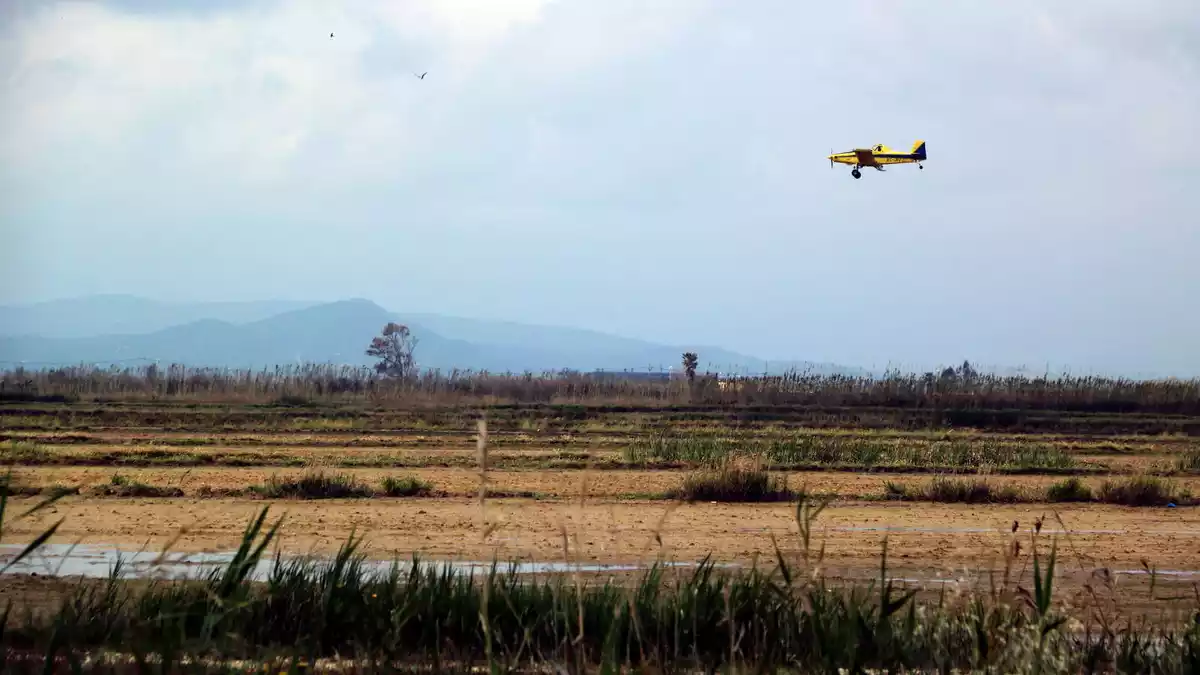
(394, 349)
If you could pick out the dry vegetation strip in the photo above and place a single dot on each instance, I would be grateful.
(848, 454)
(552, 484)
(598, 422)
(300, 386)
(215, 399)
(254, 435)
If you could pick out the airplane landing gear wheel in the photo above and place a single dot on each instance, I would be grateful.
(856, 173)
(920, 166)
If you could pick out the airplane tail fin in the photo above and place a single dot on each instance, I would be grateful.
(918, 149)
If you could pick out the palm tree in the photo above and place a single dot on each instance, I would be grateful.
(690, 360)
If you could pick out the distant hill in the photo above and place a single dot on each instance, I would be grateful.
(331, 333)
(587, 349)
(126, 314)
(237, 335)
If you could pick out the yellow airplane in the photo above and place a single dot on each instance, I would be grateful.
(877, 156)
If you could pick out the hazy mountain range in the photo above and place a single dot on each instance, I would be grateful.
(105, 329)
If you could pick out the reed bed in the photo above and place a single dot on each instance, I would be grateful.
(974, 397)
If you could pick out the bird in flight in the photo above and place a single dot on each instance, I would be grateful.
(421, 76)
(331, 35)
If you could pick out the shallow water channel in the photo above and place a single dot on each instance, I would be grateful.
(95, 561)
(99, 562)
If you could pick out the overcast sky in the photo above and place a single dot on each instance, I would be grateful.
(650, 168)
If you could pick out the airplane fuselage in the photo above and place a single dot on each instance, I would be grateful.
(878, 157)
(875, 158)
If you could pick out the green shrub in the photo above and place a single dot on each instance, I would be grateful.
(894, 490)
(313, 486)
(1069, 490)
(733, 484)
(1139, 491)
(406, 486)
(120, 486)
(951, 490)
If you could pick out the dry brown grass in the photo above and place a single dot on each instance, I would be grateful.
(964, 397)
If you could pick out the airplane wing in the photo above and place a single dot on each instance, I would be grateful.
(865, 157)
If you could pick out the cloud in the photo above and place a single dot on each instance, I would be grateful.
(250, 93)
(566, 153)
(258, 93)
(1072, 72)
(465, 29)
(261, 93)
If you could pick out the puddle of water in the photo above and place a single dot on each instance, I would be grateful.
(1183, 574)
(97, 562)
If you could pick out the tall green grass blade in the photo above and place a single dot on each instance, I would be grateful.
(33, 546)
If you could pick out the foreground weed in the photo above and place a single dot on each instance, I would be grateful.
(39, 540)
(15, 488)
